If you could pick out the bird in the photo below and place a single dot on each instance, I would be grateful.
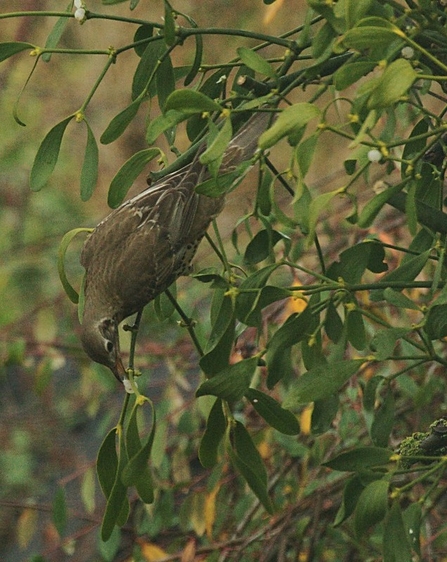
(136, 252)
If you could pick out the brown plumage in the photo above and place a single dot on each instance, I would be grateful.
(144, 245)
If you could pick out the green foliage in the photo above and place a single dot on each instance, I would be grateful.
(319, 333)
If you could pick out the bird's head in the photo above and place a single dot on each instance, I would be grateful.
(100, 341)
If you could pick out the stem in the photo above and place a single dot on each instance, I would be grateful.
(108, 64)
(423, 476)
(220, 250)
(122, 19)
(133, 340)
(188, 322)
(120, 424)
(184, 32)
(38, 13)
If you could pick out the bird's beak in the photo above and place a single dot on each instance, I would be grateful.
(118, 369)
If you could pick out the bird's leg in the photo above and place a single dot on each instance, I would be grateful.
(133, 329)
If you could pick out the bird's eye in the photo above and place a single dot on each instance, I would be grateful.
(108, 345)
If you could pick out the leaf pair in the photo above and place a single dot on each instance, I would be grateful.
(48, 155)
(239, 444)
(241, 450)
(121, 465)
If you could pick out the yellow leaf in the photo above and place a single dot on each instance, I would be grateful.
(197, 518)
(271, 11)
(45, 326)
(26, 527)
(189, 552)
(296, 303)
(210, 511)
(306, 419)
(264, 449)
(151, 552)
(88, 490)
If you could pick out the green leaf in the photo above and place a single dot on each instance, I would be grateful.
(291, 119)
(384, 341)
(396, 544)
(355, 10)
(323, 414)
(372, 208)
(133, 441)
(47, 155)
(296, 328)
(117, 510)
(355, 328)
(370, 391)
(247, 298)
(322, 44)
(327, 11)
(415, 144)
(411, 209)
(109, 549)
(128, 173)
(216, 359)
(354, 261)
(406, 272)
(190, 102)
(223, 183)
(120, 122)
(221, 339)
(165, 80)
(11, 48)
(261, 246)
(55, 35)
(317, 206)
(371, 32)
(383, 421)
(305, 152)
(360, 459)
(399, 300)
(143, 78)
(63, 246)
(320, 382)
(89, 173)
(231, 383)
(413, 519)
(248, 462)
(211, 275)
(276, 416)
(195, 67)
(169, 29)
(253, 60)
(214, 432)
(136, 472)
(264, 196)
(216, 149)
(107, 463)
(351, 73)
(163, 123)
(372, 506)
(143, 33)
(435, 325)
(333, 324)
(388, 90)
(351, 493)
(60, 511)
